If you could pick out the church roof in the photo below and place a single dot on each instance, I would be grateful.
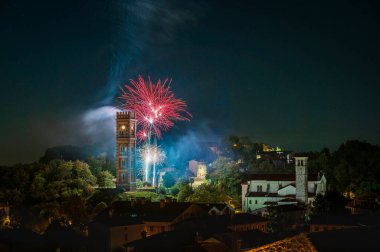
(288, 200)
(279, 177)
(261, 194)
(270, 203)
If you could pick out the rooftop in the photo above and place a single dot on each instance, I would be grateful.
(279, 177)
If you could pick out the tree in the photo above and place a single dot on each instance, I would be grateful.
(329, 203)
(168, 180)
(105, 179)
(207, 194)
(238, 148)
(101, 163)
(184, 192)
(352, 164)
(227, 175)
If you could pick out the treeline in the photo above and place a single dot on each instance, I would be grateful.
(58, 190)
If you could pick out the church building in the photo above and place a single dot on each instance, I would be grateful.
(262, 190)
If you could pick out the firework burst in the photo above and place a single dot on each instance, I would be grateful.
(155, 106)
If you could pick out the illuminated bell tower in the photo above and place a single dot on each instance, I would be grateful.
(301, 179)
(126, 150)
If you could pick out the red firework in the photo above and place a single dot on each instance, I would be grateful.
(154, 104)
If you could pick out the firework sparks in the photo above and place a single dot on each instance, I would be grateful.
(155, 106)
(151, 155)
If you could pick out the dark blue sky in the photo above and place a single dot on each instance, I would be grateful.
(299, 74)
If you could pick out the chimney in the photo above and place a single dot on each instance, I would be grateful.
(301, 179)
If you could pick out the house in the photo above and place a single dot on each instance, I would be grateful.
(127, 221)
(109, 233)
(262, 190)
(248, 222)
(353, 239)
(295, 243)
(345, 221)
(200, 234)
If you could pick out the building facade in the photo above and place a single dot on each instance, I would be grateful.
(262, 190)
(126, 150)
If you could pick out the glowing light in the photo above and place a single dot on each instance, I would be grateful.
(151, 154)
(123, 127)
(155, 106)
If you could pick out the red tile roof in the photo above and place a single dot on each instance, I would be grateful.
(279, 177)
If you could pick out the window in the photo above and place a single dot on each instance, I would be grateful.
(151, 228)
(268, 187)
(126, 237)
(250, 201)
(259, 188)
(279, 186)
(256, 202)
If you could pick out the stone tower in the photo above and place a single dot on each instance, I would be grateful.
(126, 150)
(301, 179)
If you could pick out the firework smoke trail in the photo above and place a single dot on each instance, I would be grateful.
(155, 106)
(140, 24)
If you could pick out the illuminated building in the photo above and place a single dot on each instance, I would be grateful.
(200, 170)
(126, 150)
(262, 190)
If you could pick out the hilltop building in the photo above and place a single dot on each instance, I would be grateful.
(126, 150)
(199, 169)
(262, 190)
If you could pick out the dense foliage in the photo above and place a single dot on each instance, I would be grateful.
(56, 190)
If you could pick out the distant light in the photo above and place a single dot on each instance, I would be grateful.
(123, 127)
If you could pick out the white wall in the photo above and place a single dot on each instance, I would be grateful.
(287, 190)
(244, 190)
(251, 202)
(274, 185)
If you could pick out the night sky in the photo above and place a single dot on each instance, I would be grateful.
(299, 74)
